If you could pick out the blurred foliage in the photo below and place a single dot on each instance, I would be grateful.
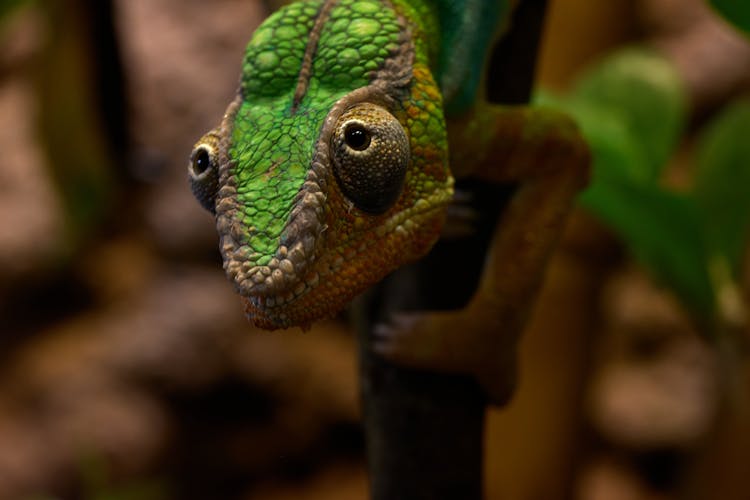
(722, 183)
(735, 11)
(99, 485)
(640, 96)
(632, 109)
(70, 119)
(8, 6)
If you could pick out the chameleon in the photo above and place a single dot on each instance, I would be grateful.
(335, 162)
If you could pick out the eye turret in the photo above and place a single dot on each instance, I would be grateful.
(370, 157)
(203, 171)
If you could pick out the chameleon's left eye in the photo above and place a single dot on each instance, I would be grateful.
(370, 157)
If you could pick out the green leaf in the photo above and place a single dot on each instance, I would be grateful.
(661, 229)
(643, 92)
(722, 183)
(735, 11)
(615, 149)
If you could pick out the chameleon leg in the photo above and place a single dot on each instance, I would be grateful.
(545, 154)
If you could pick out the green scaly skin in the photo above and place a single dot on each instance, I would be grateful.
(330, 169)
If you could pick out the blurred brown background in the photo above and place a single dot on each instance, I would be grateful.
(127, 370)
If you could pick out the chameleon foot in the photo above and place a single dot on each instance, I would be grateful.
(449, 342)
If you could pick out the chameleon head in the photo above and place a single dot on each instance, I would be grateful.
(328, 170)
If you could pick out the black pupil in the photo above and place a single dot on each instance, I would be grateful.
(202, 161)
(357, 137)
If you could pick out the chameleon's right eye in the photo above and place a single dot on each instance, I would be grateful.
(203, 174)
(371, 153)
(202, 161)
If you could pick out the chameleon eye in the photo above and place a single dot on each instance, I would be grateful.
(356, 137)
(203, 173)
(201, 161)
(371, 154)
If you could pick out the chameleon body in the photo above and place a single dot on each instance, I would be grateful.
(331, 167)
